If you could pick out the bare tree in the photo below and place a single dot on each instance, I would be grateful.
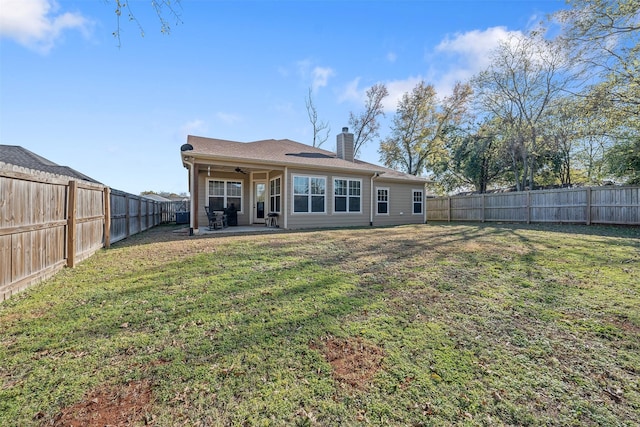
(420, 127)
(527, 74)
(164, 9)
(365, 125)
(321, 130)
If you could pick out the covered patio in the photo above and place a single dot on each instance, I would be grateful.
(241, 229)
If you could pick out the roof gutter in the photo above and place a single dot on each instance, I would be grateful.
(424, 201)
(278, 163)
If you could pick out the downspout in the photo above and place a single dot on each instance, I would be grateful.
(424, 200)
(371, 202)
(191, 198)
(285, 199)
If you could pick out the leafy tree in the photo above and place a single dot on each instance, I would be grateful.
(321, 129)
(365, 125)
(604, 37)
(420, 128)
(563, 129)
(591, 156)
(624, 160)
(526, 75)
(475, 158)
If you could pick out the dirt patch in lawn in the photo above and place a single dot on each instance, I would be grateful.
(110, 406)
(354, 362)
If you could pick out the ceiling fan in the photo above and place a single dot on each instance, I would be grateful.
(240, 171)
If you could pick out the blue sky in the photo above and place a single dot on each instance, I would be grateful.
(237, 70)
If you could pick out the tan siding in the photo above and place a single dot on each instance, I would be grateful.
(400, 204)
(305, 220)
(401, 201)
(203, 200)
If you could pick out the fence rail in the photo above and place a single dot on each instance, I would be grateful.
(48, 221)
(588, 205)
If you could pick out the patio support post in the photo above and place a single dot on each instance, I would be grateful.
(194, 199)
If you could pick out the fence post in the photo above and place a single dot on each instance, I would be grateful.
(528, 207)
(107, 217)
(449, 209)
(483, 207)
(72, 212)
(127, 215)
(588, 213)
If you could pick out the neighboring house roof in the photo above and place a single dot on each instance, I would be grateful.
(156, 197)
(19, 156)
(284, 152)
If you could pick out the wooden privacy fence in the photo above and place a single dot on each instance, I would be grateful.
(48, 221)
(588, 205)
(132, 214)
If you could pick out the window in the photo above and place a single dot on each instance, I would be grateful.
(309, 194)
(417, 202)
(346, 195)
(382, 201)
(223, 194)
(275, 195)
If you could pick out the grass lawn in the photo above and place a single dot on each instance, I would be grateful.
(416, 325)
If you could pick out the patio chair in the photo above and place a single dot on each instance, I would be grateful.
(216, 219)
(272, 219)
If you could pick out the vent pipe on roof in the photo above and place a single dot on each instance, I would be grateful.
(344, 145)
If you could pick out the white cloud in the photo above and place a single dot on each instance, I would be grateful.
(37, 24)
(397, 88)
(391, 57)
(194, 127)
(282, 107)
(466, 54)
(352, 93)
(228, 118)
(456, 59)
(357, 95)
(473, 48)
(321, 77)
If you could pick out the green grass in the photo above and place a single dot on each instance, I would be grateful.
(478, 324)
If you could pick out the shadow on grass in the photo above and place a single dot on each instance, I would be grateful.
(232, 317)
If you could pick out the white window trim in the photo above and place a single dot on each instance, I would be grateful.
(278, 194)
(225, 191)
(413, 202)
(388, 201)
(347, 212)
(293, 194)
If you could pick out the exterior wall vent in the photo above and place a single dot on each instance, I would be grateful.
(344, 145)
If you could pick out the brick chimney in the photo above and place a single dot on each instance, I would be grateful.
(344, 145)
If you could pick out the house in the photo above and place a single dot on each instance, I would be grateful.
(303, 186)
(19, 156)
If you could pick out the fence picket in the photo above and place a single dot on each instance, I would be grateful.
(589, 205)
(48, 221)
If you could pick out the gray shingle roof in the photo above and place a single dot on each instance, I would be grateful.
(19, 156)
(284, 152)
